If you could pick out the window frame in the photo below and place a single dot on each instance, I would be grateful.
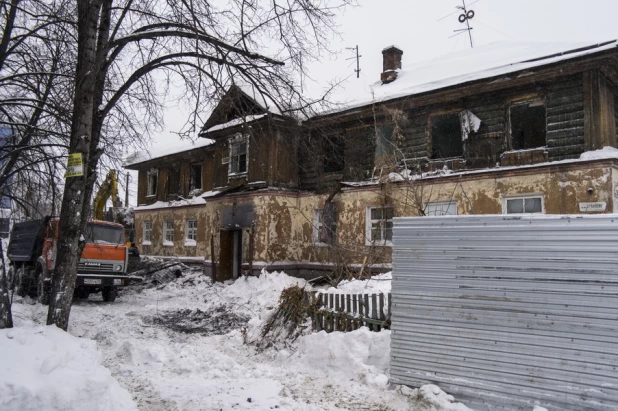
(369, 227)
(150, 173)
(518, 102)
(318, 223)
(449, 204)
(238, 139)
(430, 148)
(166, 229)
(190, 231)
(147, 232)
(505, 199)
(192, 176)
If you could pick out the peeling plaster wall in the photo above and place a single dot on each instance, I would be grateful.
(283, 228)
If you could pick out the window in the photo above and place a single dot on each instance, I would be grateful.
(196, 177)
(523, 205)
(191, 232)
(384, 140)
(5, 227)
(147, 237)
(528, 125)
(441, 208)
(174, 181)
(325, 225)
(446, 139)
(153, 178)
(238, 155)
(379, 225)
(334, 153)
(168, 233)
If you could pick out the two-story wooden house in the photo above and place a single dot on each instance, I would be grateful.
(506, 128)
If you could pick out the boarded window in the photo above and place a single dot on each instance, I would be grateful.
(446, 140)
(325, 225)
(196, 177)
(528, 125)
(334, 149)
(174, 181)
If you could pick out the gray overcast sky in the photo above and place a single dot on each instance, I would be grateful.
(413, 26)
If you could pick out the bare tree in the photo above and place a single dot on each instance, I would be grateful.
(206, 46)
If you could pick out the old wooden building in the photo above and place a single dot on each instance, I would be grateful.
(506, 128)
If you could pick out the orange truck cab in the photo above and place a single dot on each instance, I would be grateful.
(102, 267)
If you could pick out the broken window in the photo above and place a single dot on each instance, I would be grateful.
(147, 237)
(446, 138)
(325, 225)
(168, 233)
(238, 160)
(334, 149)
(191, 232)
(196, 177)
(153, 177)
(379, 225)
(441, 208)
(384, 140)
(523, 205)
(174, 181)
(528, 125)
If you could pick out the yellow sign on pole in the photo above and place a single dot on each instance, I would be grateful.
(75, 166)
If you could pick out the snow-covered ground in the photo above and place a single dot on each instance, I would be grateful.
(181, 346)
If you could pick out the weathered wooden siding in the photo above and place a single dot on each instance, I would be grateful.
(565, 118)
(616, 113)
(483, 148)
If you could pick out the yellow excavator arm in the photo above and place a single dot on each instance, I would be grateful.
(108, 189)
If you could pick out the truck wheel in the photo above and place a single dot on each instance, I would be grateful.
(43, 288)
(109, 294)
(23, 282)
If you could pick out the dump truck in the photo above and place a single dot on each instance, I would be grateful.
(32, 258)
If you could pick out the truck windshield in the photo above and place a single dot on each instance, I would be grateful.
(104, 234)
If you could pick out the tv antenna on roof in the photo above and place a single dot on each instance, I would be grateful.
(464, 17)
(357, 70)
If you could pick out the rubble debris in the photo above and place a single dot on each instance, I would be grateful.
(218, 321)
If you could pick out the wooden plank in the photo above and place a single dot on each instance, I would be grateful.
(347, 303)
(374, 305)
(381, 307)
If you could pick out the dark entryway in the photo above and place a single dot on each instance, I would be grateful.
(230, 255)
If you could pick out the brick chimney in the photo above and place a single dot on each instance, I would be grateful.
(391, 61)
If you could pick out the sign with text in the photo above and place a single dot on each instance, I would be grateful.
(597, 207)
(75, 166)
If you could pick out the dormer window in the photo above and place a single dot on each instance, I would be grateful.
(238, 160)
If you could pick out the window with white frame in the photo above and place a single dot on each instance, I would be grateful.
(238, 159)
(379, 225)
(147, 237)
(530, 204)
(324, 227)
(191, 232)
(168, 233)
(152, 180)
(441, 208)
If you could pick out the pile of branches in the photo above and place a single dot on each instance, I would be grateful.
(289, 320)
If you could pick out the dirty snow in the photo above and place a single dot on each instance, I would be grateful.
(180, 346)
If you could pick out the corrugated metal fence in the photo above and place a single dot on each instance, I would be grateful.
(508, 312)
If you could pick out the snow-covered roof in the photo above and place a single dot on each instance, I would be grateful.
(179, 147)
(235, 122)
(260, 99)
(458, 68)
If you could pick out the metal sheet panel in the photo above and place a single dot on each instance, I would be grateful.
(508, 312)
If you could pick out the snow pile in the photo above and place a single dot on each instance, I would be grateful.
(433, 395)
(378, 284)
(361, 355)
(605, 152)
(258, 294)
(47, 368)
